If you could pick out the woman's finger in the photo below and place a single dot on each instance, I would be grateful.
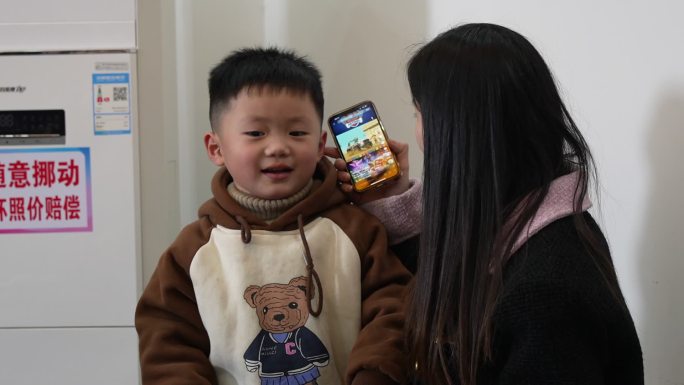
(343, 177)
(331, 152)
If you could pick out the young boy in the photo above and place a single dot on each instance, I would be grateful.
(279, 281)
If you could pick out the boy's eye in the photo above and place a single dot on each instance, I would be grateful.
(254, 133)
(298, 133)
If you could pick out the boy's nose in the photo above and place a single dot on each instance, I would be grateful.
(277, 148)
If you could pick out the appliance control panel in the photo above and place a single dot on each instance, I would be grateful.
(30, 127)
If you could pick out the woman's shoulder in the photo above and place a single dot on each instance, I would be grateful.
(555, 273)
(556, 303)
(556, 253)
(554, 280)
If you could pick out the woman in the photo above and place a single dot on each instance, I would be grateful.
(515, 283)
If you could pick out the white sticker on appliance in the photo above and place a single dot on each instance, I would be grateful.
(111, 66)
(111, 103)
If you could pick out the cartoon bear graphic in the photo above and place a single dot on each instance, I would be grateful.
(284, 351)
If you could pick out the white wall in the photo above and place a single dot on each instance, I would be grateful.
(619, 63)
(158, 136)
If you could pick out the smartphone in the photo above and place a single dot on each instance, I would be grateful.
(362, 142)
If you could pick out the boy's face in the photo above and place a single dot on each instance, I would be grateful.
(270, 142)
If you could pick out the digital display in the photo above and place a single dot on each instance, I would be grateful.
(32, 127)
(6, 120)
(361, 140)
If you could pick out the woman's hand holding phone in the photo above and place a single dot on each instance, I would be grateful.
(392, 187)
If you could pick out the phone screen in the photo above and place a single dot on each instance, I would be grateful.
(361, 139)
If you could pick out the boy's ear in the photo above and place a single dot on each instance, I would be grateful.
(321, 144)
(212, 144)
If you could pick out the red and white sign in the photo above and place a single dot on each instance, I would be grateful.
(45, 190)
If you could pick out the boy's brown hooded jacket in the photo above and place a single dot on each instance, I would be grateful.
(232, 301)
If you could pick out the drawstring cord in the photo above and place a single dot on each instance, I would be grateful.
(311, 273)
(245, 231)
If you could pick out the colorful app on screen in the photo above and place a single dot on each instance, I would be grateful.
(361, 139)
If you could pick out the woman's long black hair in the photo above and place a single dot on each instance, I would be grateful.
(496, 134)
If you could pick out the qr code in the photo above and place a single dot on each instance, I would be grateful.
(120, 94)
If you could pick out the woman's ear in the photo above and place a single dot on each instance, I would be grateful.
(213, 147)
(419, 128)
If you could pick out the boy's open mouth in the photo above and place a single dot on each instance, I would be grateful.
(278, 171)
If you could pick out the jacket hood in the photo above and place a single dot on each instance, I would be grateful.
(223, 210)
(559, 202)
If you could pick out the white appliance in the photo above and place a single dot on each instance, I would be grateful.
(69, 200)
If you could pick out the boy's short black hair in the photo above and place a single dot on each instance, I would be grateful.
(258, 67)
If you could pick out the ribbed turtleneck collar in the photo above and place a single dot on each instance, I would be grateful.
(267, 209)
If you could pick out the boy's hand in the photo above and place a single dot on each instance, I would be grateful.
(393, 187)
